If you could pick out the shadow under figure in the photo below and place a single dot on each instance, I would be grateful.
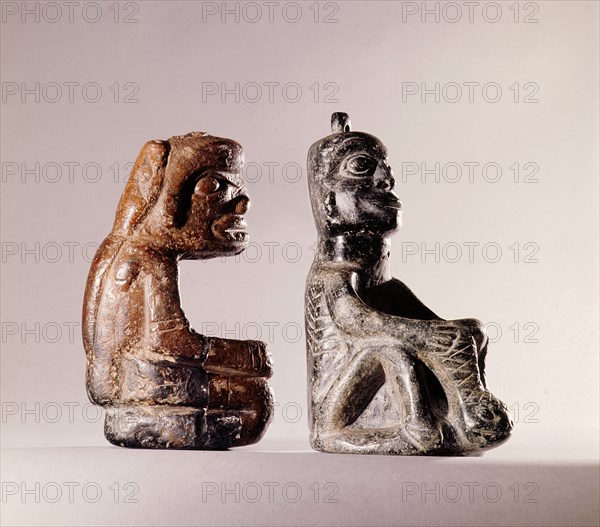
(164, 385)
(386, 375)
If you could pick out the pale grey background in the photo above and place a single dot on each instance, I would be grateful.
(551, 385)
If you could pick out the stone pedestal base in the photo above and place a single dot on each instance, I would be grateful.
(172, 427)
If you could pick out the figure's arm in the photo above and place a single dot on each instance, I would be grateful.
(175, 341)
(221, 356)
(356, 318)
(238, 357)
(172, 338)
(164, 330)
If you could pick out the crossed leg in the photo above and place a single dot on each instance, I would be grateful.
(354, 389)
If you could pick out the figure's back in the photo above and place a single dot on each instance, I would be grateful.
(325, 347)
(101, 341)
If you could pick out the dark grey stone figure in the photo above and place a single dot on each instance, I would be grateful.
(386, 375)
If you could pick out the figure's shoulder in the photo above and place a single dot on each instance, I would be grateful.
(332, 270)
(126, 270)
(123, 260)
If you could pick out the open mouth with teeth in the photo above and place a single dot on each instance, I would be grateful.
(231, 228)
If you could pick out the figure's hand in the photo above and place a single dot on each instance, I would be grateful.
(238, 357)
(260, 358)
(443, 335)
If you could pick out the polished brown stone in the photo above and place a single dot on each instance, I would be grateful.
(162, 384)
(386, 375)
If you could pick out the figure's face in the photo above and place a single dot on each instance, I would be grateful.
(201, 207)
(360, 196)
(215, 222)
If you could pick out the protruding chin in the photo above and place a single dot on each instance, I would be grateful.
(239, 248)
(215, 248)
(232, 247)
(399, 221)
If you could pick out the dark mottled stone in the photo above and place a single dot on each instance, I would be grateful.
(164, 385)
(386, 374)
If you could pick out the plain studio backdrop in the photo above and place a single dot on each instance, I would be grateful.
(490, 116)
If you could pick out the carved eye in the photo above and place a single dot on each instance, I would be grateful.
(361, 165)
(208, 185)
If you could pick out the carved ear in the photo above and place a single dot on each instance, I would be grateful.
(329, 204)
(143, 187)
(151, 164)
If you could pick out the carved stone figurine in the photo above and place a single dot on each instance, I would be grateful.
(164, 385)
(386, 374)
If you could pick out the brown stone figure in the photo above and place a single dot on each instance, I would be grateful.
(386, 375)
(164, 385)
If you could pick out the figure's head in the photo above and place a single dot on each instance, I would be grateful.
(350, 183)
(186, 197)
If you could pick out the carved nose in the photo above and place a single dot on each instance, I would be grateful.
(386, 183)
(242, 205)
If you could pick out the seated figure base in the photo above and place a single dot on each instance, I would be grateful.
(400, 442)
(175, 428)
